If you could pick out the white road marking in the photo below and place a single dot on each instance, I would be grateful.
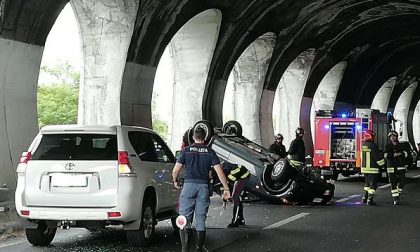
(417, 176)
(348, 198)
(285, 221)
(384, 186)
(12, 243)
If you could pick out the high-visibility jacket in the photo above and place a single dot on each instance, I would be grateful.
(396, 164)
(372, 159)
(240, 172)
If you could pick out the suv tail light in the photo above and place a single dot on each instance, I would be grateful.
(26, 156)
(124, 163)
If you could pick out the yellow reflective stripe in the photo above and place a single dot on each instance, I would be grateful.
(390, 170)
(395, 194)
(367, 159)
(405, 154)
(231, 177)
(235, 171)
(366, 188)
(370, 170)
(385, 155)
(394, 191)
(245, 175)
(371, 191)
(381, 162)
(400, 168)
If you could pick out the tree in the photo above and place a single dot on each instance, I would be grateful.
(58, 98)
(158, 125)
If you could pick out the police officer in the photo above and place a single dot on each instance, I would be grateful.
(372, 161)
(297, 149)
(278, 147)
(396, 155)
(237, 176)
(198, 159)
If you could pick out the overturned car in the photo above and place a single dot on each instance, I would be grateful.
(272, 179)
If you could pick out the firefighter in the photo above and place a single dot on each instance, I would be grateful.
(372, 161)
(396, 156)
(236, 176)
(198, 159)
(278, 147)
(297, 149)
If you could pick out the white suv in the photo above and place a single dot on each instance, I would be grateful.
(94, 176)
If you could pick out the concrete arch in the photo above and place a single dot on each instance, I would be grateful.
(105, 30)
(402, 108)
(288, 96)
(191, 51)
(416, 125)
(325, 95)
(246, 81)
(413, 120)
(382, 97)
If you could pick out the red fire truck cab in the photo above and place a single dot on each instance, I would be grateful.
(339, 136)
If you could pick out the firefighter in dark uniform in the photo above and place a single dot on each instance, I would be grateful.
(236, 176)
(297, 149)
(372, 161)
(278, 147)
(198, 160)
(396, 156)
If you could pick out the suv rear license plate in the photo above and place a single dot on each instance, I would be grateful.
(69, 180)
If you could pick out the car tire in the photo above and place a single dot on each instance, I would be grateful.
(42, 235)
(208, 128)
(280, 171)
(232, 126)
(144, 235)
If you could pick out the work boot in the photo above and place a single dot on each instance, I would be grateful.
(199, 242)
(396, 200)
(365, 198)
(184, 235)
(370, 201)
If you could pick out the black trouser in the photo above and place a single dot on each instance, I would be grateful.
(236, 193)
(371, 183)
(397, 181)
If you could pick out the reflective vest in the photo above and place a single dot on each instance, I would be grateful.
(396, 164)
(238, 173)
(372, 159)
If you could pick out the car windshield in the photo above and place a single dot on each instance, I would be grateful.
(77, 147)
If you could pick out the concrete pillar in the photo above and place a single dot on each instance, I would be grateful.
(326, 93)
(19, 71)
(105, 27)
(381, 99)
(402, 108)
(289, 96)
(416, 124)
(191, 52)
(247, 78)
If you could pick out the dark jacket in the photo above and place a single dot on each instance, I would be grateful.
(372, 159)
(396, 164)
(297, 150)
(278, 149)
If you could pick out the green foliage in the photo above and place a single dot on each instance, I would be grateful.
(57, 104)
(58, 99)
(158, 125)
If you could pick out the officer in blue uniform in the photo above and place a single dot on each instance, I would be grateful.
(198, 160)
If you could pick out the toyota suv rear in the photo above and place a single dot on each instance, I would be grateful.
(92, 177)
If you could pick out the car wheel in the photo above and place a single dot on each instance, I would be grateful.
(143, 236)
(232, 127)
(279, 172)
(42, 235)
(208, 128)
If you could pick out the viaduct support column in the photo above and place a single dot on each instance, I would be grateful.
(105, 27)
(402, 108)
(381, 99)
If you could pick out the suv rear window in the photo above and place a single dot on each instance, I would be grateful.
(77, 147)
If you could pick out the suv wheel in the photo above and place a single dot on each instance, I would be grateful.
(208, 128)
(143, 236)
(40, 236)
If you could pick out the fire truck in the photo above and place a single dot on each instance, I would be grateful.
(339, 136)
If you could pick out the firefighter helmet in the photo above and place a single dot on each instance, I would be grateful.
(278, 137)
(300, 130)
(369, 135)
(393, 133)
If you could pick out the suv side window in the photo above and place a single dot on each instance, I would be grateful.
(144, 145)
(164, 154)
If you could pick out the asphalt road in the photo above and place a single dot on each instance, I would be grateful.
(346, 225)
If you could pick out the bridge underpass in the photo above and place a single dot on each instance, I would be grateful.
(285, 59)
